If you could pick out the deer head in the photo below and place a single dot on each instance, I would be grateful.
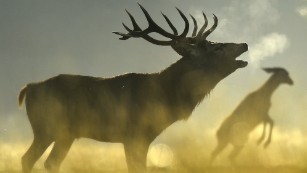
(280, 74)
(220, 57)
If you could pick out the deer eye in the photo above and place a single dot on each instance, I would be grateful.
(217, 48)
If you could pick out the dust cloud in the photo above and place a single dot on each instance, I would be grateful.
(189, 151)
(183, 147)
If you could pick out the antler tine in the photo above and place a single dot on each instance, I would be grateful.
(202, 29)
(186, 24)
(153, 27)
(170, 24)
(135, 28)
(195, 26)
(205, 35)
(124, 36)
(135, 25)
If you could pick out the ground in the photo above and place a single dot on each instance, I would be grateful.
(245, 169)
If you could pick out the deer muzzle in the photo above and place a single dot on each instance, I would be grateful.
(243, 47)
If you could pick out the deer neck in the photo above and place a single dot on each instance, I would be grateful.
(187, 89)
(269, 87)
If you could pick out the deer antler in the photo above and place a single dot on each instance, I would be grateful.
(202, 29)
(195, 26)
(175, 38)
(153, 27)
(205, 35)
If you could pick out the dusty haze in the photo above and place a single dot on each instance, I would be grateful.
(41, 39)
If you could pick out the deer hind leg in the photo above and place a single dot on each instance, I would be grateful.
(57, 154)
(271, 123)
(234, 153)
(263, 133)
(136, 157)
(222, 143)
(37, 148)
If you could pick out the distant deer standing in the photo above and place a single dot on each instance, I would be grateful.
(132, 109)
(252, 111)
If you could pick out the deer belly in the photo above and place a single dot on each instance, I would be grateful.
(101, 133)
(238, 133)
(100, 128)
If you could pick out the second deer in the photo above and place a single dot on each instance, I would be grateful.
(252, 111)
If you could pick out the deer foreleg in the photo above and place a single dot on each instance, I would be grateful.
(263, 133)
(271, 124)
(136, 155)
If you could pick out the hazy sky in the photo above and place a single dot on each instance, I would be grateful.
(41, 39)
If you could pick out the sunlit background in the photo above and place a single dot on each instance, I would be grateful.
(41, 39)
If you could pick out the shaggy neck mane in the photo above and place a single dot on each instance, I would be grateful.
(185, 87)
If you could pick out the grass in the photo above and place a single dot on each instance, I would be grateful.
(217, 169)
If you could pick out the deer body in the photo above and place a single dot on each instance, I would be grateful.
(132, 109)
(252, 111)
(83, 102)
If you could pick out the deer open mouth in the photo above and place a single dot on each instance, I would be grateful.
(241, 63)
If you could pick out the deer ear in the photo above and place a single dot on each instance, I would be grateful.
(268, 70)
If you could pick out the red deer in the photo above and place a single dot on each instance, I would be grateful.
(132, 109)
(251, 112)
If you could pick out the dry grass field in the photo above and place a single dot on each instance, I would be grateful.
(279, 169)
(109, 158)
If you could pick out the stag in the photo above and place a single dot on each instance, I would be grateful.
(132, 109)
(250, 113)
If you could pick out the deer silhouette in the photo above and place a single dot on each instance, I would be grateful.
(252, 111)
(132, 109)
